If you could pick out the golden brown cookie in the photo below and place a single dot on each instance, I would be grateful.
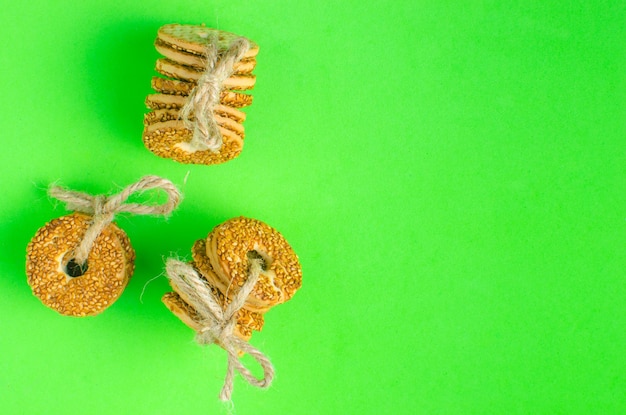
(160, 116)
(171, 69)
(204, 266)
(245, 66)
(184, 88)
(60, 283)
(173, 115)
(231, 246)
(246, 319)
(170, 139)
(194, 38)
(164, 101)
(172, 86)
(188, 315)
(185, 49)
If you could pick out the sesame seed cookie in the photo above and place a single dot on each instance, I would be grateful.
(193, 39)
(171, 69)
(67, 287)
(164, 101)
(173, 115)
(247, 321)
(244, 66)
(188, 315)
(170, 139)
(195, 61)
(172, 86)
(184, 88)
(231, 246)
(204, 266)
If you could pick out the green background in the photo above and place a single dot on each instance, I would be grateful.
(451, 175)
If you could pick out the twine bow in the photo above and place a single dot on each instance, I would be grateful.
(218, 324)
(103, 209)
(206, 95)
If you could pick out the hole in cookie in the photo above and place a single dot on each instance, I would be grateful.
(74, 269)
(256, 255)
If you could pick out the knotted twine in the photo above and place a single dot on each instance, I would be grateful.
(103, 209)
(218, 324)
(206, 95)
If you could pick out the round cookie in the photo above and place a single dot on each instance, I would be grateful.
(49, 270)
(204, 266)
(173, 115)
(184, 88)
(160, 116)
(164, 101)
(170, 139)
(246, 319)
(194, 38)
(188, 315)
(172, 86)
(244, 66)
(171, 69)
(231, 246)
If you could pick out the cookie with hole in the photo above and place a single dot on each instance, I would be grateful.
(71, 288)
(233, 244)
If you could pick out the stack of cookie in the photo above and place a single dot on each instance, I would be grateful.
(183, 65)
(223, 260)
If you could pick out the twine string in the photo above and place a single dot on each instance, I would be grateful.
(103, 209)
(206, 95)
(218, 324)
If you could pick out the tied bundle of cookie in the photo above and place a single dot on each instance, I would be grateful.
(223, 262)
(196, 112)
(79, 264)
